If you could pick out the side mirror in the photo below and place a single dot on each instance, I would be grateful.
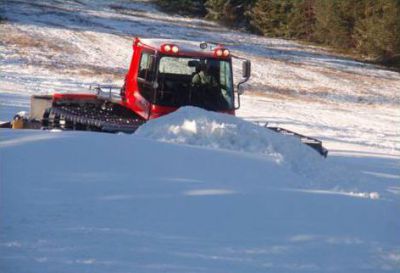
(246, 69)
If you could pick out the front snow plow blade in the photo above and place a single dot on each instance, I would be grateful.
(309, 141)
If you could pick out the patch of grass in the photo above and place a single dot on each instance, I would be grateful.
(392, 63)
(24, 40)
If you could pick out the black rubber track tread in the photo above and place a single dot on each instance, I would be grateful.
(91, 117)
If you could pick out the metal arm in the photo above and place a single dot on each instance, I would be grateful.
(246, 73)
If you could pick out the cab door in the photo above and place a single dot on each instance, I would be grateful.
(146, 75)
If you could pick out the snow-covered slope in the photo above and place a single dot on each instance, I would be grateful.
(84, 202)
(65, 46)
(195, 191)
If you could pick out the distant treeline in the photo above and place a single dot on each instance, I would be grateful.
(369, 28)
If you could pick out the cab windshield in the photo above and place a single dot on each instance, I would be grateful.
(202, 82)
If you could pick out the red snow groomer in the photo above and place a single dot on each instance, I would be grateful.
(163, 76)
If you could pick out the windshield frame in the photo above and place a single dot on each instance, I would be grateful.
(230, 89)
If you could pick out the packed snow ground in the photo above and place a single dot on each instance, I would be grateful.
(78, 202)
(227, 200)
(53, 46)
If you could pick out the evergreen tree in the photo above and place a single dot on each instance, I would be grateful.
(229, 12)
(302, 19)
(215, 9)
(186, 7)
(270, 17)
(377, 33)
(331, 26)
(368, 27)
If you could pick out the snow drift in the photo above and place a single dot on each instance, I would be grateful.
(194, 126)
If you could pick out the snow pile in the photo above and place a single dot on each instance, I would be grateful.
(194, 126)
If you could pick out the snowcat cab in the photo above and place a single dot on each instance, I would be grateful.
(163, 76)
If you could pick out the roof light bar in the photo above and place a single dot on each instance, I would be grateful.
(221, 52)
(175, 49)
(169, 48)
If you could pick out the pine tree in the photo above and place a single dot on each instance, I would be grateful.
(368, 27)
(229, 12)
(191, 7)
(215, 9)
(302, 19)
(377, 33)
(331, 26)
(270, 17)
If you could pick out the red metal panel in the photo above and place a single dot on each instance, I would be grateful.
(60, 96)
(134, 100)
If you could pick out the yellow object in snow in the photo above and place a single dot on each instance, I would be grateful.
(17, 123)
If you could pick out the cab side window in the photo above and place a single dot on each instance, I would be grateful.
(146, 67)
(146, 75)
